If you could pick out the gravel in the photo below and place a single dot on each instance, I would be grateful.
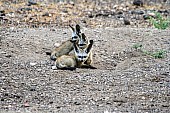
(125, 80)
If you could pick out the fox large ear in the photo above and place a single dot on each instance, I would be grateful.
(78, 29)
(75, 47)
(89, 46)
(83, 36)
(91, 41)
(72, 28)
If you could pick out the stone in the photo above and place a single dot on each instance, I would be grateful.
(33, 63)
(138, 2)
(53, 67)
(32, 2)
(56, 45)
(47, 14)
(126, 21)
(138, 12)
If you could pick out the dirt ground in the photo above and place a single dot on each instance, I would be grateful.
(125, 81)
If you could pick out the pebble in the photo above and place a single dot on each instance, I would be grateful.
(143, 98)
(151, 14)
(47, 14)
(139, 12)
(54, 67)
(32, 2)
(145, 17)
(126, 21)
(56, 44)
(26, 104)
(138, 2)
(33, 63)
(2, 52)
(8, 56)
(39, 69)
(106, 112)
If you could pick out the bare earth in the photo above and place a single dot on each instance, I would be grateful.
(125, 81)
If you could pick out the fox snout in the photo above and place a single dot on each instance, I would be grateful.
(81, 60)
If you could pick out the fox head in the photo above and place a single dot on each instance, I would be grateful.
(82, 54)
(75, 32)
(83, 41)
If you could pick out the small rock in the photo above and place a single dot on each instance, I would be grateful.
(54, 67)
(90, 16)
(138, 2)
(8, 56)
(26, 9)
(120, 16)
(124, 9)
(120, 13)
(115, 6)
(39, 69)
(106, 111)
(26, 104)
(52, 29)
(12, 28)
(148, 15)
(2, 99)
(33, 63)
(56, 45)
(151, 14)
(138, 12)
(143, 98)
(126, 21)
(83, 21)
(32, 2)
(3, 52)
(77, 103)
(47, 14)
(51, 102)
(71, 2)
(145, 17)
(32, 89)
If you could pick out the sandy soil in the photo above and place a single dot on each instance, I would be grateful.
(125, 80)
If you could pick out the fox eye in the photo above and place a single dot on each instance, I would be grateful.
(81, 56)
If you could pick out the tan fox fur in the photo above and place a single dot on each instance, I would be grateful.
(63, 49)
(66, 46)
(66, 62)
(71, 62)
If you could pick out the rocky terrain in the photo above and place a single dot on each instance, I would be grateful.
(90, 13)
(127, 78)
